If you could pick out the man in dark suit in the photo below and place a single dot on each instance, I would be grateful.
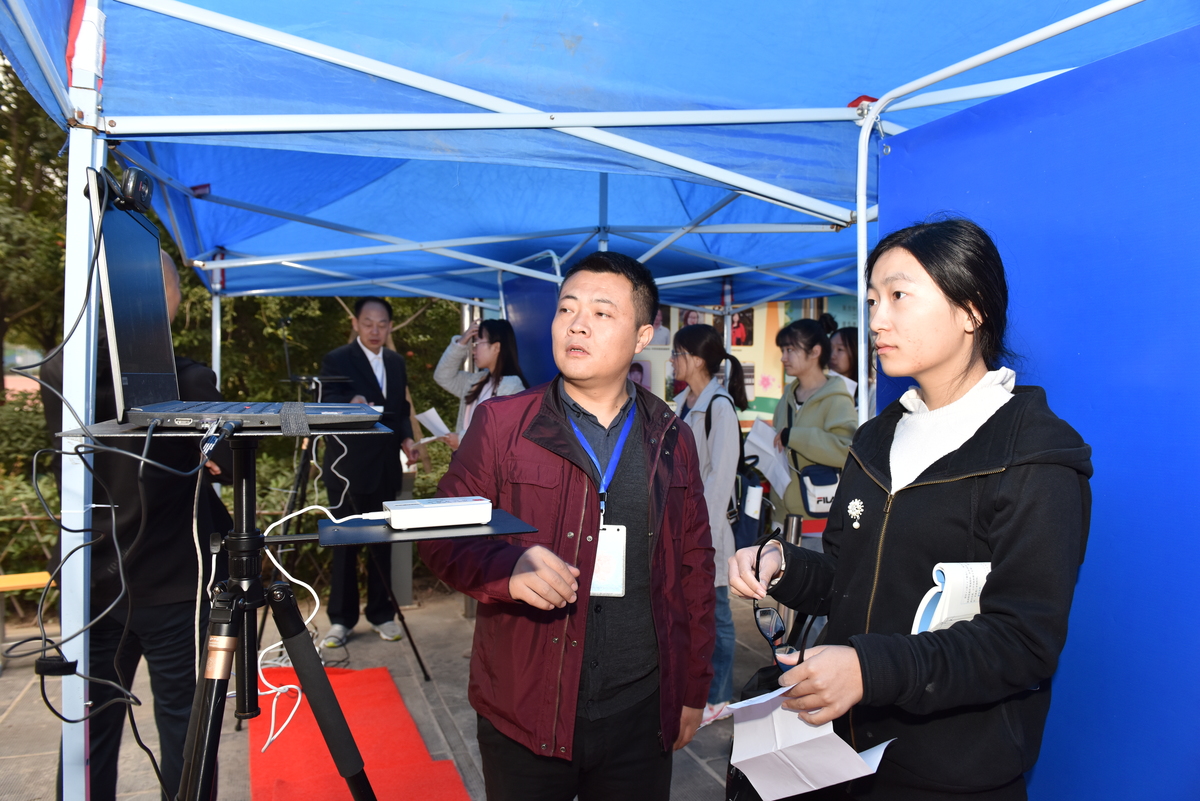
(361, 472)
(157, 616)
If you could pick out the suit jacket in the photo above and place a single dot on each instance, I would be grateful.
(161, 569)
(371, 461)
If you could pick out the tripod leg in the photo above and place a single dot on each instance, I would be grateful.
(321, 698)
(204, 728)
(396, 606)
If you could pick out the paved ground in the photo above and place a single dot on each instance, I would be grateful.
(29, 734)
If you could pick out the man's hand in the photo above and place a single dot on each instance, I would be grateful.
(358, 399)
(742, 581)
(825, 685)
(689, 724)
(451, 439)
(543, 580)
(212, 467)
(779, 442)
(410, 450)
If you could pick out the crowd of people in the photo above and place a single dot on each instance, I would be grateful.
(605, 638)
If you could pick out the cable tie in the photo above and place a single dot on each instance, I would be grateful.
(54, 666)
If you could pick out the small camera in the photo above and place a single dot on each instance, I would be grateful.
(132, 192)
(136, 189)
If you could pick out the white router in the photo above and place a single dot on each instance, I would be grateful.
(439, 512)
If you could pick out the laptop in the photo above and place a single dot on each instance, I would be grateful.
(143, 357)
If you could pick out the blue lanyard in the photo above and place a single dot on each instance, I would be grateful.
(606, 475)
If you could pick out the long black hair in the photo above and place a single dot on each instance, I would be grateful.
(964, 263)
(507, 362)
(806, 334)
(849, 338)
(704, 341)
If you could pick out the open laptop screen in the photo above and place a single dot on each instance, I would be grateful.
(135, 310)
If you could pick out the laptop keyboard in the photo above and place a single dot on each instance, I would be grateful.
(226, 407)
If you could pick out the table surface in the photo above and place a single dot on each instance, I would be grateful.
(111, 428)
(377, 532)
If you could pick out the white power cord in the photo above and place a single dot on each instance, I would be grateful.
(287, 688)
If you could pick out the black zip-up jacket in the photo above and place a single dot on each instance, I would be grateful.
(967, 704)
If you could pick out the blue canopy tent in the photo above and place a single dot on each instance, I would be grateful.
(309, 148)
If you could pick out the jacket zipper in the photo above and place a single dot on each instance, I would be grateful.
(562, 657)
(887, 509)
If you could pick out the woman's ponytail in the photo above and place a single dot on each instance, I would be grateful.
(735, 382)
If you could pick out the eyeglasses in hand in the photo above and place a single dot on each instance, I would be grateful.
(771, 625)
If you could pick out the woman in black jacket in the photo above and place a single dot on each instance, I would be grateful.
(965, 467)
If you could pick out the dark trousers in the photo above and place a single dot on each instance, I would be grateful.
(620, 756)
(165, 635)
(343, 590)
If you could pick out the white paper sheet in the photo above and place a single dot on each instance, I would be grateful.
(432, 421)
(760, 442)
(782, 755)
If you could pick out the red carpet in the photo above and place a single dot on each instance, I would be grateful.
(297, 766)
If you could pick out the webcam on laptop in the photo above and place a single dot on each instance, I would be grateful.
(132, 192)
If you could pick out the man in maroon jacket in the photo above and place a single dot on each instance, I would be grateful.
(593, 635)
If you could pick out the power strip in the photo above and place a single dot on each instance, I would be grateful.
(439, 512)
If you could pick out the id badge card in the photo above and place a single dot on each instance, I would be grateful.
(608, 577)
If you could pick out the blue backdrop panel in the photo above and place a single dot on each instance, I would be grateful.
(1091, 196)
(530, 304)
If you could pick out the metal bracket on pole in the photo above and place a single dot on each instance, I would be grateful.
(877, 108)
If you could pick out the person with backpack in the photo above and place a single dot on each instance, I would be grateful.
(815, 419)
(708, 408)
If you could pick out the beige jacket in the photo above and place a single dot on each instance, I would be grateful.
(460, 382)
(821, 431)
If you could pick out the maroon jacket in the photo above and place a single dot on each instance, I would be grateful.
(521, 453)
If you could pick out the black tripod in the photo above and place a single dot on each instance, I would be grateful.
(231, 642)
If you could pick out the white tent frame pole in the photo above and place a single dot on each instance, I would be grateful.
(603, 244)
(741, 266)
(734, 228)
(456, 273)
(974, 91)
(687, 228)
(216, 336)
(46, 64)
(688, 278)
(158, 125)
(86, 150)
(364, 282)
(150, 165)
(877, 108)
(566, 257)
(296, 44)
(381, 250)
(405, 244)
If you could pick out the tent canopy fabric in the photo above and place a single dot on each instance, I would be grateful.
(186, 87)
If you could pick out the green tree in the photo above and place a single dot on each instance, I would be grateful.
(31, 272)
(32, 205)
(33, 174)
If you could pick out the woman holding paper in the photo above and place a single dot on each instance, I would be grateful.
(494, 345)
(708, 408)
(964, 467)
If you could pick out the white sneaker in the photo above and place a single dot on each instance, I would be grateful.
(389, 631)
(336, 636)
(714, 712)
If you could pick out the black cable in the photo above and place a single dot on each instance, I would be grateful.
(137, 540)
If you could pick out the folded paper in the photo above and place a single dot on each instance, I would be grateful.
(783, 755)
